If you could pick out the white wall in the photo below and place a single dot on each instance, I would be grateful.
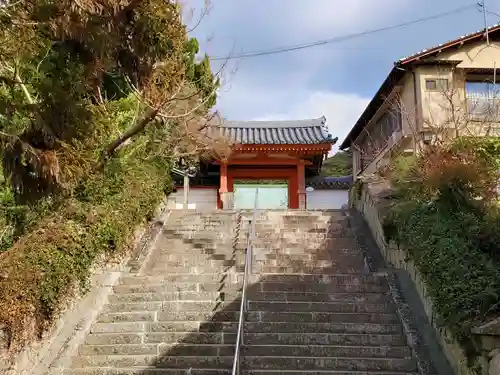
(327, 199)
(204, 199)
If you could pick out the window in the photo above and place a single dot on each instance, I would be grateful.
(482, 100)
(436, 84)
(484, 89)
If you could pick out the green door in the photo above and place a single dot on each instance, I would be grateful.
(269, 196)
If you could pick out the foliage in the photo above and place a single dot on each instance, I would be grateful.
(337, 165)
(39, 272)
(447, 218)
(100, 102)
(77, 58)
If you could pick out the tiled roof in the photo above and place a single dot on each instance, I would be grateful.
(319, 182)
(313, 131)
(451, 43)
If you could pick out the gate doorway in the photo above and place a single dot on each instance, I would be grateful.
(271, 195)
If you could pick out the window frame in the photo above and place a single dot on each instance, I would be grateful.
(438, 87)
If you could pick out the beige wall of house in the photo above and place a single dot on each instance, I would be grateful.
(424, 108)
(474, 55)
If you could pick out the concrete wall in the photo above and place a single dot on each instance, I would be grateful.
(371, 205)
(201, 199)
(327, 199)
(435, 104)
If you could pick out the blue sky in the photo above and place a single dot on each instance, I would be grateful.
(335, 80)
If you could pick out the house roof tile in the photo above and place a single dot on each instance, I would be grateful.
(323, 183)
(312, 131)
(451, 43)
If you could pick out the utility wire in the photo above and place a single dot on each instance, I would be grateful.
(339, 38)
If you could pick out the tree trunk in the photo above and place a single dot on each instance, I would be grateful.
(136, 129)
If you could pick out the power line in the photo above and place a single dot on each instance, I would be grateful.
(338, 38)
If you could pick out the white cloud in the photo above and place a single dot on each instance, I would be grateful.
(341, 110)
(313, 82)
(327, 18)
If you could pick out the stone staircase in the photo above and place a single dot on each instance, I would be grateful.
(316, 308)
(313, 306)
(179, 313)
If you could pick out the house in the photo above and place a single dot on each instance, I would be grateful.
(443, 91)
(273, 158)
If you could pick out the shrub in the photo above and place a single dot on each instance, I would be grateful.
(43, 267)
(446, 217)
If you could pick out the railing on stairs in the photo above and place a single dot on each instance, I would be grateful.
(246, 275)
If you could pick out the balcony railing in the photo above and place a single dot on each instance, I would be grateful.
(483, 108)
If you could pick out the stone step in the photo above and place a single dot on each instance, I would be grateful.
(175, 296)
(256, 350)
(146, 316)
(318, 296)
(320, 317)
(291, 327)
(161, 338)
(338, 363)
(203, 269)
(329, 287)
(358, 339)
(171, 278)
(151, 371)
(339, 279)
(282, 255)
(225, 338)
(250, 338)
(250, 327)
(187, 260)
(206, 371)
(181, 362)
(176, 287)
(253, 294)
(339, 230)
(297, 234)
(311, 269)
(295, 363)
(270, 240)
(318, 372)
(305, 251)
(327, 351)
(341, 307)
(288, 262)
(138, 316)
(304, 224)
(175, 306)
(304, 245)
(158, 349)
(164, 326)
(188, 248)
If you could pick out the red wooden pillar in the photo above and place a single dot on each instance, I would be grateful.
(223, 189)
(301, 177)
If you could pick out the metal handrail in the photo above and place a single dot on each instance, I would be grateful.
(246, 274)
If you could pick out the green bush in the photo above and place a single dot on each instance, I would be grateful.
(446, 217)
(42, 268)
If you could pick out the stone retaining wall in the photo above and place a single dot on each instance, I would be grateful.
(370, 200)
